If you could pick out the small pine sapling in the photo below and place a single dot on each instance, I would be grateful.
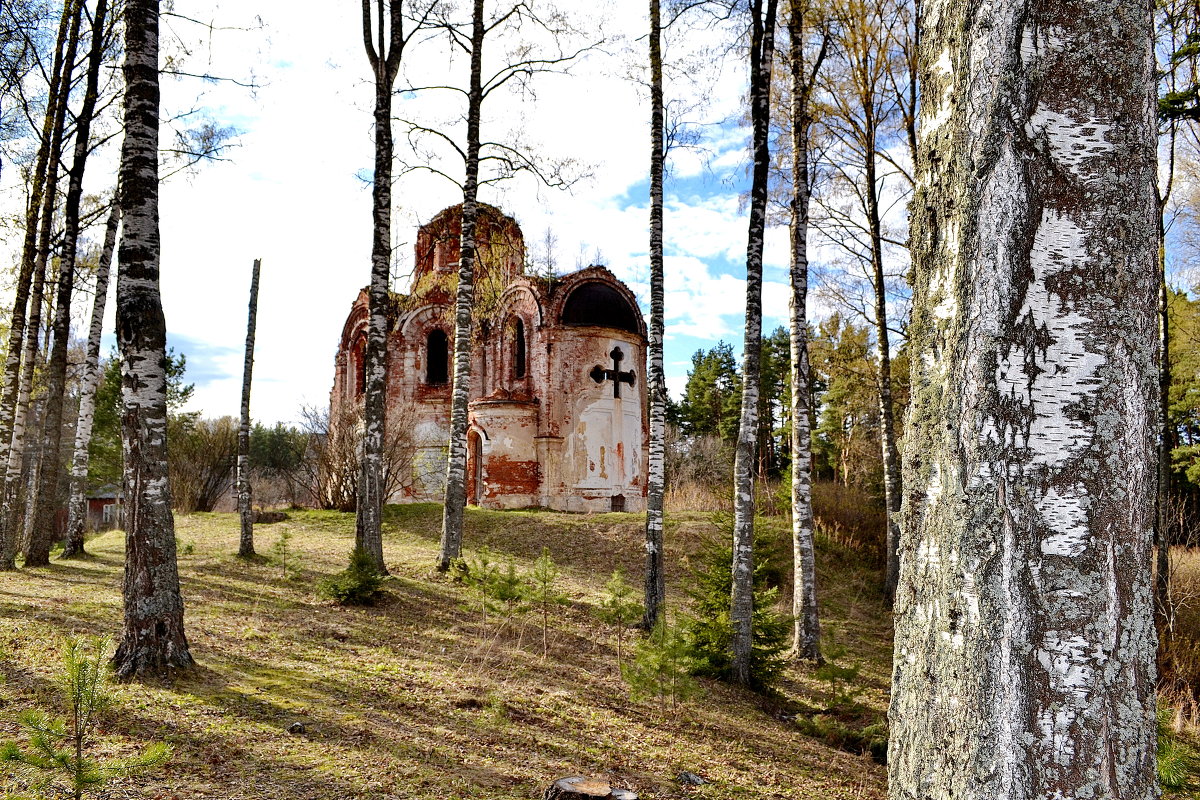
(58, 749)
(543, 593)
(619, 609)
(282, 555)
(357, 585)
(499, 590)
(662, 666)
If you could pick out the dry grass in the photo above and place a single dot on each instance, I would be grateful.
(415, 698)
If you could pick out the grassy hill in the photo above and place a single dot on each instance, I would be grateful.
(415, 697)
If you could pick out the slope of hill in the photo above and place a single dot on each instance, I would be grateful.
(418, 696)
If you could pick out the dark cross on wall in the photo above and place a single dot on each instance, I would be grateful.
(600, 374)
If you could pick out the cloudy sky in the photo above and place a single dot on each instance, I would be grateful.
(295, 192)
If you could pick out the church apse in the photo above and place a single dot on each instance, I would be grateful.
(557, 410)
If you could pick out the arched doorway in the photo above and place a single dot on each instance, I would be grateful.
(474, 467)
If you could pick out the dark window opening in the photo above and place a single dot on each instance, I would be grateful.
(598, 304)
(360, 368)
(618, 502)
(519, 354)
(437, 357)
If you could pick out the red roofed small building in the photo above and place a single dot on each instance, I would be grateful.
(557, 413)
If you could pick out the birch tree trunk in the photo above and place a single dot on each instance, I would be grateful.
(153, 637)
(23, 331)
(77, 505)
(17, 320)
(246, 544)
(806, 625)
(464, 304)
(656, 378)
(1024, 656)
(384, 58)
(762, 48)
(46, 505)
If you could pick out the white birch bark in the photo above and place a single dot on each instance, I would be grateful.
(455, 504)
(77, 505)
(655, 581)
(245, 512)
(43, 528)
(806, 625)
(762, 41)
(384, 58)
(1024, 656)
(152, 639)
(21, 299)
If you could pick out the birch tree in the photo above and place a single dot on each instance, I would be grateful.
(245, 513)
(152, 638)
(762, 53)
(385, 46)
(806, 626)
(656, 378)
(43, 528)
(77, 504)
(1024, 652)
(27, 301)
(507, 160)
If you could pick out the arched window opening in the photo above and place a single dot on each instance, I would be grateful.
(360, 368)
(519, 350)
(599, 304)
(437, 357)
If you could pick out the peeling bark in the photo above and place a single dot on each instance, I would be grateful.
(1024, 656)
(77, 505)
(46, 505)
(245, 513)
(806, 626)
(384, 58)
(656, 383)
(152, 639)
(464, 303)
(762, 49)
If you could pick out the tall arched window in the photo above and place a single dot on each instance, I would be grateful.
(519, 350)
(437, 357)
(360, 367)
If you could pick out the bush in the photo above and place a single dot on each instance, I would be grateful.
(357, 585)
(710, 632)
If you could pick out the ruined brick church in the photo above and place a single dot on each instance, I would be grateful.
(557, 413)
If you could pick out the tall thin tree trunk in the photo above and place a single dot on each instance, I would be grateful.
(1024, 651)
(762, 47)
(887, 414)
(806, 627)
(77, 505)
(23, 333)
(152, 638)
(46, 507)
(245, 512)
(1164, 604)
(385, 63)
(17, 320)
(656, 379)
(464, 303)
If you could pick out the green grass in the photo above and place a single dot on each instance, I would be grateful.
(414, 697)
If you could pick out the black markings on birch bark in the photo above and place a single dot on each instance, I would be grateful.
(245, 512)
(762, 48)
(806, 628)
(77, 504)
(655, 584)
(384, 58)
(42, 532)
(464, 303)
(152, 639)
(1024, 635)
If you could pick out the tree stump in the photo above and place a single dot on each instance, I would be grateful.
(577, 787)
